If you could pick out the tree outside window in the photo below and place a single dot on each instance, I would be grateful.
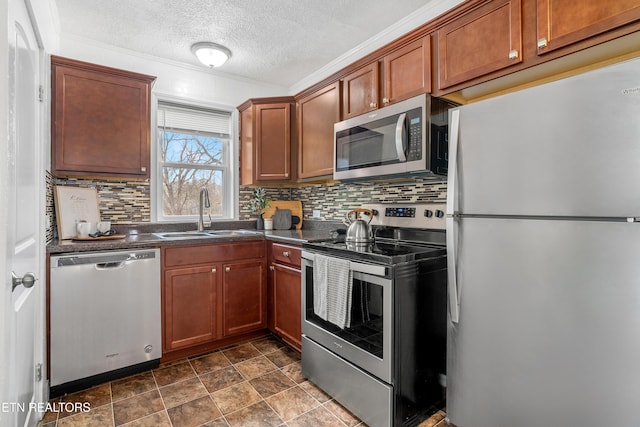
(189, 160)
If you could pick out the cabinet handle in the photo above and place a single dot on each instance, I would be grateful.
(373, 105)
(143, 169)
(285, 253)
(214, 270)
(272, 268)
(542, 43)
(227, 269)
(513, 54)
(385, 101)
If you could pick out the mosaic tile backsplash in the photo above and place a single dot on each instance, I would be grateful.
(121, 202)
(335, 199)
(129, 202)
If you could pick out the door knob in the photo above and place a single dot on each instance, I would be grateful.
(27, 280)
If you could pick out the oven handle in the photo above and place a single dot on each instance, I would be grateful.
(356, 267)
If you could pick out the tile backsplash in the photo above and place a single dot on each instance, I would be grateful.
(121, 202)
(335, 199)
(129, 202)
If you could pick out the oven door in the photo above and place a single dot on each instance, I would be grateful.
(367, 343)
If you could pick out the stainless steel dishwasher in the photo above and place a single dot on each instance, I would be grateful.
(104, 317)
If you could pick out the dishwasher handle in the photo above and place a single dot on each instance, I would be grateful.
(110, 265)
(102, 258)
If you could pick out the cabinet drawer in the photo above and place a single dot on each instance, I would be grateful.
(203, 254)
(286, 254)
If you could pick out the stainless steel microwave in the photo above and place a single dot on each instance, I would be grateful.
(410, 136)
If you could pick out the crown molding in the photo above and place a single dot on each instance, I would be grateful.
(428, 12)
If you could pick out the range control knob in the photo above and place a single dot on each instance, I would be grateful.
(428, 213)
(439, 214)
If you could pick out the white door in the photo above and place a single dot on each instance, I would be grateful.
(22, 311)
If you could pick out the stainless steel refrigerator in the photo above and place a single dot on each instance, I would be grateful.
(544, 255)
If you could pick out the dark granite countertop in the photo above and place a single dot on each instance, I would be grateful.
(142, 236)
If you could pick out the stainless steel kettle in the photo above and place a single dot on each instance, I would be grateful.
(359, 230)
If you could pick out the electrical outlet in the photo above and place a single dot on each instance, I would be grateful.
(316, 213)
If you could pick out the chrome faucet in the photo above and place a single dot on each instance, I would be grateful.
(204, 203)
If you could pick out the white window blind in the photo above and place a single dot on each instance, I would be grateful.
(179, 118)
(195, 151)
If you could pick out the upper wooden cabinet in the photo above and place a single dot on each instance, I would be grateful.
(563, 22)
(265, 140)
(483, 41)
(100, 120)
(407, 71)
(360, 91)
(317, 114)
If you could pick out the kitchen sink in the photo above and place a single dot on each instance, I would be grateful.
(183, 235)
(233, 232)
(203, 234)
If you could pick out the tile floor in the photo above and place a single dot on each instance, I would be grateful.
(258, 383)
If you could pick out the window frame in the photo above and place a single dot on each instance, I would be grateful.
(230, 172)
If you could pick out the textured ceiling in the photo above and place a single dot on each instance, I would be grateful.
(273, 41)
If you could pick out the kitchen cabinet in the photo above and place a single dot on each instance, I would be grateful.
(482, 41)
(189, 306)
(245, 297)
(265, 140)
(561, 22)
(316, 115)
(360, 91)
(407, 71)
(211, 292)
(285, 295)
(100, 120)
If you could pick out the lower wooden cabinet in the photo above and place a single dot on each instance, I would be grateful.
(285, 292)
(287, 321)
(189, 307)
(244, 290)
(210, 293)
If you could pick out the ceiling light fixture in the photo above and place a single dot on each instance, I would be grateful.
(211, 54)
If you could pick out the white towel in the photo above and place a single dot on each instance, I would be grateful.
(320, 277)
(332, 290)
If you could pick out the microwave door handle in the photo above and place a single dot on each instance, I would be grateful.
(399, 137)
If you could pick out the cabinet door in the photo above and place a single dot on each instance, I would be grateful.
(101, 123)
(407, 71)
(563, 22)
(244, 289)
(360, 91)
(316, 115)
(287, 304)
(189, 301)
(485, 40)
(246, 147)
(273, 141)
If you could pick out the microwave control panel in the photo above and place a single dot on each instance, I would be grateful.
(414, 145)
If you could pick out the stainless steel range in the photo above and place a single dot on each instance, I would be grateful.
(374, 316)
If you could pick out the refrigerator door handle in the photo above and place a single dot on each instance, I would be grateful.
(452, 209)
(452, 261)
(452, 178)
(400, 137)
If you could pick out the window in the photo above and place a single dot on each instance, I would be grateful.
(194, 152)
